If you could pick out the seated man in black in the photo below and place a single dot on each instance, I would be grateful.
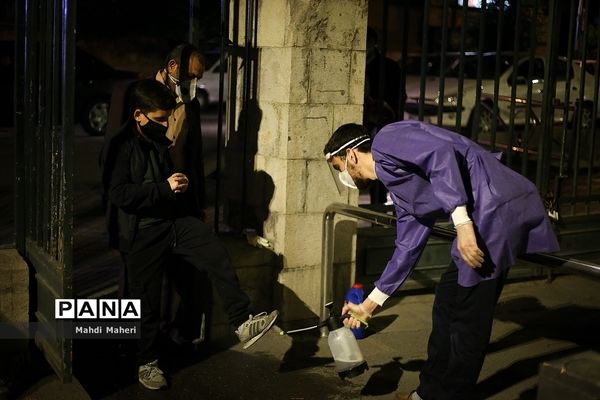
(148, 224)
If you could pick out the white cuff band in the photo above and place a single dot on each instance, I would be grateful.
(460, 215)
(378, 297)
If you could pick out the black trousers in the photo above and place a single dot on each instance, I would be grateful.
(462, 323)
(193, 241)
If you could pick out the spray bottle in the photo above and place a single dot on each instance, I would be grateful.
(349, 361)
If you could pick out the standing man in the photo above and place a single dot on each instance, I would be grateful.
(184, 65)
(430, 173)
(149, 225)
(182, 68)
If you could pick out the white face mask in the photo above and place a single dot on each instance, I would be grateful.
(345, 177)
(185, 90)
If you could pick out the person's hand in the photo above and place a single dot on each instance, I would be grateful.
(362, 311)
(178, 182)
(466, 242)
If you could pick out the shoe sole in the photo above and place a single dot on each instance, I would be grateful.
(152, 387)
(255, 338)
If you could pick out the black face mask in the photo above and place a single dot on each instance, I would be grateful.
(154, 131)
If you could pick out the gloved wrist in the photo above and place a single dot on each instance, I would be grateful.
(460, 216)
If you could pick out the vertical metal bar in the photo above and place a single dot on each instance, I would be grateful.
(245, 102)
(66, 203)
(497, 73)
(38, 111)
(545, 142)
(567, 100)
(54, 82)
(560, 177)
(528, 109)
(402, 89)
(580, 101)
(20, 75)
(224, 32)
(381, 82)
(234, 78)
(513, 85)
(440, 113)
(594, 123)
(255, 55)
(68, 99)
(424, 55)
(567, 107)
(234, 67)
(31, 134)
(327, 261)
(191, 20)
(477, 104)
(461, 68)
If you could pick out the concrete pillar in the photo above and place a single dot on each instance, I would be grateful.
(310, 79)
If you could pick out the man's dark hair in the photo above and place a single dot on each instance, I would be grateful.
(372, 36)
(150, 95)
(343, 135)
(182, 52)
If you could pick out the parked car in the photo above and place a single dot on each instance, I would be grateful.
(94, 84)
(208, 85)
(508, 77)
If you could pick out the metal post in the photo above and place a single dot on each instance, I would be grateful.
(547, 117)
(224, 31)
(424, 55)
(440, 113)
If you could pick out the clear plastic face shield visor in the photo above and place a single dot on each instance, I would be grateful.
(343, 178)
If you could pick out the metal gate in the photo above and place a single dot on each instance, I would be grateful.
(518, 76)
(242, 116)
(44, 154)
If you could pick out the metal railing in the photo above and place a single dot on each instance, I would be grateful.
(547, 260)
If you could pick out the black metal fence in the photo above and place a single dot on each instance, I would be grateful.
(518, 76)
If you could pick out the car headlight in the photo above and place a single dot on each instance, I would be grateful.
(450, 103)
(452, 99)
(449, 99)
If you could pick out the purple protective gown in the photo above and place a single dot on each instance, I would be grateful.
(429, 171)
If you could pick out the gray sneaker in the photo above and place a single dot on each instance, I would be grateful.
(151, 376)
(255, 327)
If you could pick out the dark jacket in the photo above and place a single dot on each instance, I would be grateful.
(124, 161)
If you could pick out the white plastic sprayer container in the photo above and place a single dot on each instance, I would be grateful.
(349, 361)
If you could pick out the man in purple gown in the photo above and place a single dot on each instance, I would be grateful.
(434, 173)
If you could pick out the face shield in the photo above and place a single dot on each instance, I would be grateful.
(343, 178)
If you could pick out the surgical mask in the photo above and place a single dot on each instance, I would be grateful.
(153, 130)
(345, 177)
(185, 90)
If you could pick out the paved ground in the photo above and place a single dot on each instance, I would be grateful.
(535, 321)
